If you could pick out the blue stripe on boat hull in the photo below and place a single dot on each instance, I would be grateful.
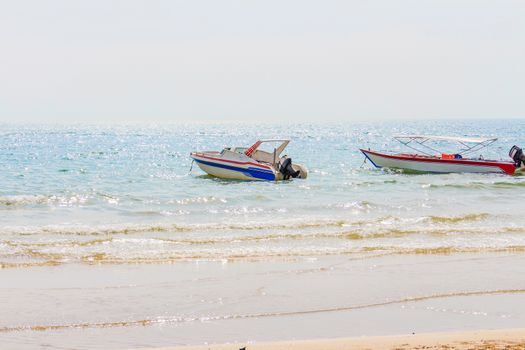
(252, 172)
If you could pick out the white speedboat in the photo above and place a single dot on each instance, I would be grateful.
(251, 163)
(430, 160)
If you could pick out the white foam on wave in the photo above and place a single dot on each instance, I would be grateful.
(423, 224)
(22, 200)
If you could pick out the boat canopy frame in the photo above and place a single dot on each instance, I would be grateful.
(470, 144)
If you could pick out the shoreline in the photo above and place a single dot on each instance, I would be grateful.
(512, 339)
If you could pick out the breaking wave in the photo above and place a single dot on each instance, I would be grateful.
(143, 228)
(456, 219)
(295, 224)
(33, 258)
(22, 200)
(170, 242)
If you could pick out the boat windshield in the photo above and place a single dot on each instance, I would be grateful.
(267, 151)
(240, 149)
(270, 146)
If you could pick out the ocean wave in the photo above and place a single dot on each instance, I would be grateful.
(505, 184)
(374, 183)
(170, 227)
(198, 200)
(361, 232)
(457, 219)
(33, 257)
(97, 197)
(22, 200)
(418, 224)
(480, 185)
(356, 205)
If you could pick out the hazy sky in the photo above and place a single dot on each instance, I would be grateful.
(200, 60)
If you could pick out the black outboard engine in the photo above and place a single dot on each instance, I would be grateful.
(287, 170)
(517, 155)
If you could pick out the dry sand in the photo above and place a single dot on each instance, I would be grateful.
(512, 339)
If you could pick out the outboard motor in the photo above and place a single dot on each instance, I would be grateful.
(287, 170)
(517, 155)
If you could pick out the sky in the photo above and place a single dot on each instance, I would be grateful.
(159, 61)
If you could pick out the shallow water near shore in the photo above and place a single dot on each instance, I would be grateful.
(105, 233)
(131, 306)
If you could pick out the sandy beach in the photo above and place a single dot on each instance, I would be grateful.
(268, 303)
(512, 339)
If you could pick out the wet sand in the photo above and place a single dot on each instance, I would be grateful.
(511, 339)
(126, 306)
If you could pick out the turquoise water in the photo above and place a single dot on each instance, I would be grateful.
(124, 194)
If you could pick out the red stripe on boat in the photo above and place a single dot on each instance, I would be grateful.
(250, 150)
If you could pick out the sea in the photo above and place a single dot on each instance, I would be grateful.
(111, 236)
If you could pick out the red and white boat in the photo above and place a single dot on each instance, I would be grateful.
(430, 160)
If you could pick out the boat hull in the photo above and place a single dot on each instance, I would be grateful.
(229, 169)
(436, 165)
